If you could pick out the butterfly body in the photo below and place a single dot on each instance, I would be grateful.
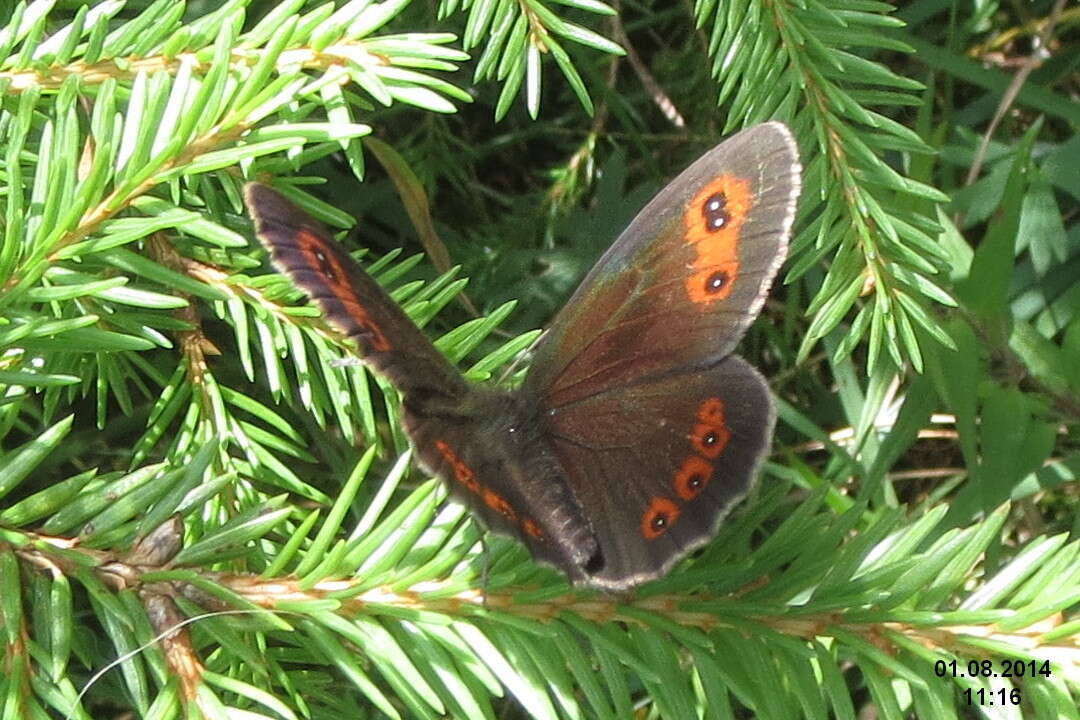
(636, 429)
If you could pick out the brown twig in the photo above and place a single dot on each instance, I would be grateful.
(1038, 55)
(659, 97)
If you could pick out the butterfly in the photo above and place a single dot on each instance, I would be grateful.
(636, 428)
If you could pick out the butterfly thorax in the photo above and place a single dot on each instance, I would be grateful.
(489, 447)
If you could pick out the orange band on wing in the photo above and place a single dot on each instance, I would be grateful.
(499, 504)
(465, 477)
(532, 529)
(713, 222)
(708, 437)
(462, 472)
(336, 277)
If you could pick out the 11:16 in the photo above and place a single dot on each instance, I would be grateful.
(984, 697)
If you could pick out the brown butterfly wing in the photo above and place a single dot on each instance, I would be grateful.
(640, 360)
(485, 444)
(350, 298)
(635, 431)
(681, 284)
(490, 450)
(656, 466)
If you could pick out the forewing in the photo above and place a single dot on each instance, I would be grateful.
(496, 463)
(349, 297)
(680, 286)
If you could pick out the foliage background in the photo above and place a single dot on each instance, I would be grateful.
(178, 437)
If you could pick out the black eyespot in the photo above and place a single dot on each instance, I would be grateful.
(695, 481)
(710, 439)
(659, 521)
(714, 210)
(716, 282)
